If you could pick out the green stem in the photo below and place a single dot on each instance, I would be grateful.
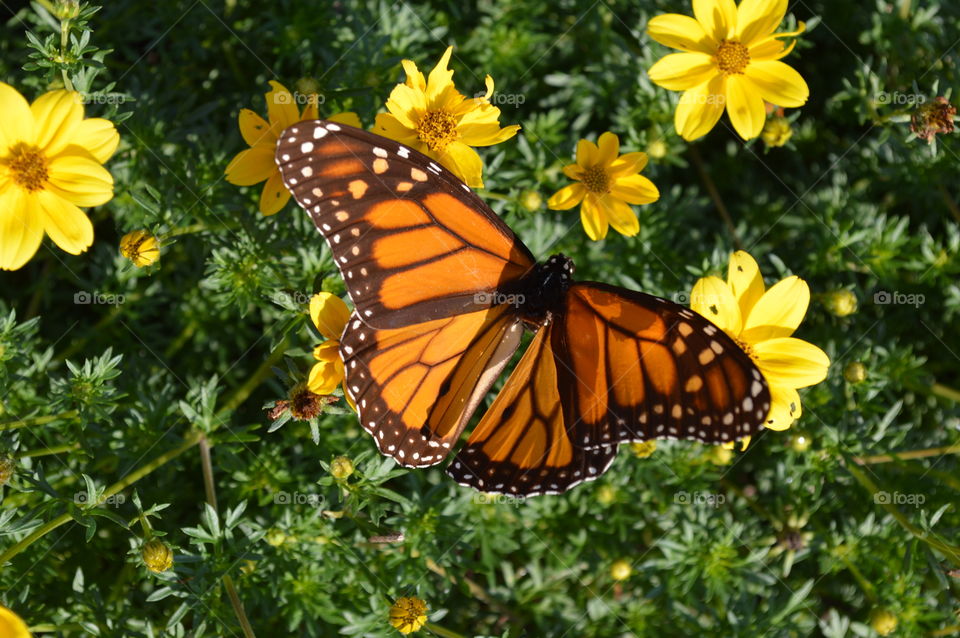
(906, 456)
(714, 194)
(865, 585)
(943, 391)
(210, 488)
(37, 420)
(950, 551)
(442, 631)
(240, 394)
(64, 42)
(114, 489)
(57, 449)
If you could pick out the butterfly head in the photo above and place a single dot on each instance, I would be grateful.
(543, 289)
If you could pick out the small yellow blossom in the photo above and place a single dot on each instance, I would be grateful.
(730, 61)
(606, 495)
(140, 247)
(762, 321)
(408, 614)
(431, 116)
(620, 570)
(607, 184)
(657, 149)
(883, 621)
(329, 314)
(157, 556)
(776, 132)
(11, 625)
(50, 164)
(531, 200)
(800, 442)
(256, 164)
(855, 372)
(341, 467)
(644, 449)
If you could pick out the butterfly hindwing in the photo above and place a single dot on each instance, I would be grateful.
(522, 445)
(412, 241)
(633, 367)
(416, 387)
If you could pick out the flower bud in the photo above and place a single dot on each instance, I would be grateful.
(841, 303)
(67, 9)
(800, 442)
(341, 467)
(883, 621)
(855, 372)
(620, 570)
(531, 200)
(657, 149)
(7, 466)
(157, 556)
(776, 132)
(606, 495)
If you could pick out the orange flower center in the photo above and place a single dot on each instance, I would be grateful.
(596, 180)
(746, 347)
(732, 57)
(437, 129)
(28, 166)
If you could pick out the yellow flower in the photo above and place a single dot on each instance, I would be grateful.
(842, 303)
(329, 314)
(620, 570)
(341, 467)
(256, 164)
(776, 132)
(11, 625)
(730, 60)
(883, 621)
(607, 184)
(643, 449)
(140, 247)
(50, 163)
(432, 117)
(408, 614)
(762, 323)
(157, 556)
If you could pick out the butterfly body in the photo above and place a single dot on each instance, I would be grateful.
(443, 290)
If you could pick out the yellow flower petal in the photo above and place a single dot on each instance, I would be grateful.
(463, 162)
(593, 219)
(791, 362)
(567, 197)
(329, 314)
(587, 153)
(700, 108)
(778, 83)
(743, 275)
(407, 105)
(712, 298)
(66, 224)
(98, 136)
(745, 106)
(626, 164)
(274, 195)
(11, 625)
(254, 129)
(17, 121)
(440, 78)
(392, 128)
(635, 189)
(717, 17)
(281, 109)
(608, 148)
(680, 32)
(252, 166)
(486, 134)
(57, 115)
(573, 171)
(312, 110)
(620, 216)
(414, 78)
(21, 230)
(784, 408)
(348, 118)
(80, 179)
(324, 377)
(682, 71)
(328, 351)
(778, 312)
(758, 18)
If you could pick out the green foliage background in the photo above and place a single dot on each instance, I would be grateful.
(782, 541)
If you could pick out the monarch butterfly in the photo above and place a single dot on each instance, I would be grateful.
(443, 290)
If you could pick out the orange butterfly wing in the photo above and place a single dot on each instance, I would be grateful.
(412, 241)
(632, 367)
(416, 387)
(523, 445)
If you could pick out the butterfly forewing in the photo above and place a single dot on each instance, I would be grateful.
(633, 367)
(412, 241)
